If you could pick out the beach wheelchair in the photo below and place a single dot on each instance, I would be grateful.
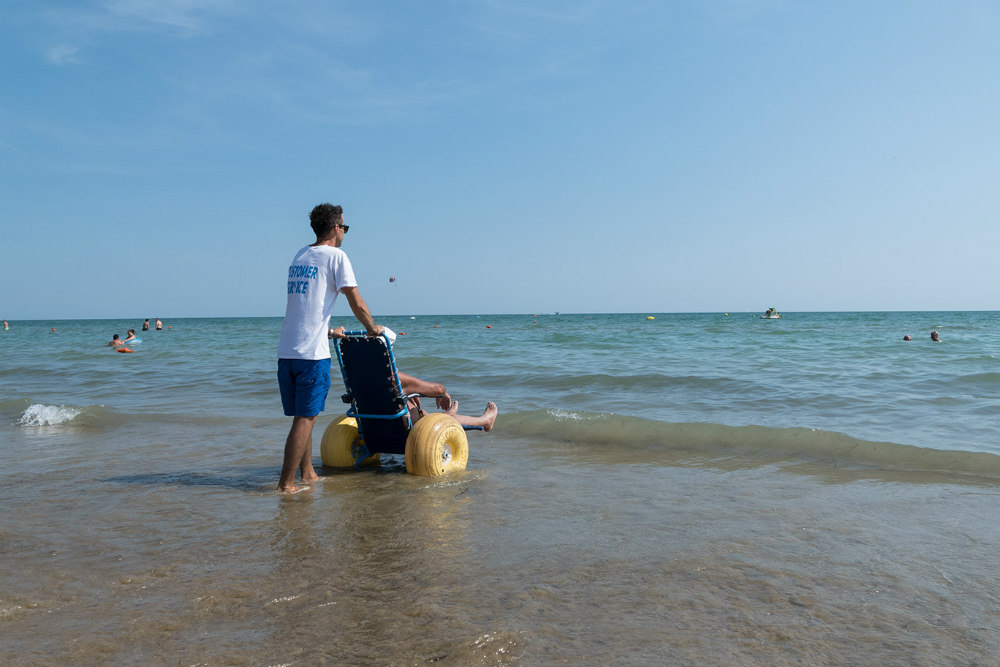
(378, 420)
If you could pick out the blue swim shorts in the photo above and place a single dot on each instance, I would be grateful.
(304, 384)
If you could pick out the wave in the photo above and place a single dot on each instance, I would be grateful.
(48, 415)
(619, 438)
(25, 413)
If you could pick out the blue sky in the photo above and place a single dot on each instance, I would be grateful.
(160, 157)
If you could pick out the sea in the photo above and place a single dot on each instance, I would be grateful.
(659, 488)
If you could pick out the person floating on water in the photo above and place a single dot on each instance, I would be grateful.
(906, 337)
(130, 336)
(935, 337)
(319, 272)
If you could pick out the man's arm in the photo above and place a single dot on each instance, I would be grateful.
(435, 390)
(360, 310)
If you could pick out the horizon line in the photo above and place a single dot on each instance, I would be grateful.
(513, 314)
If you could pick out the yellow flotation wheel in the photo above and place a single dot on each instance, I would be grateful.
(341, 447)
(436, 446)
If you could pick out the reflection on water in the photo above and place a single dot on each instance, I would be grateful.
(374, 564)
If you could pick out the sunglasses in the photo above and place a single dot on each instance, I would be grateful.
(345, 227)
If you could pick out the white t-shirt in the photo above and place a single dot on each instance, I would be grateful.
(315, 278)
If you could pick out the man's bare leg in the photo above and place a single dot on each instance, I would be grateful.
(485, 420)
(414, 385)
(306, 469)
(298, 449)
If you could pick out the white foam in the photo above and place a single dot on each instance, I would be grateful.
(569, 415)
(48, 415)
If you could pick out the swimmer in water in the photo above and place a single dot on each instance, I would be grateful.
(131, 336)
(116, 341)
(935, 337)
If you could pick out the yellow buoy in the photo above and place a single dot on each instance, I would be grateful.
(650, 317)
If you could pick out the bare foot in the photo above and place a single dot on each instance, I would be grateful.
(453, 410)
(490, 415)
(311, 479)
(292, 490)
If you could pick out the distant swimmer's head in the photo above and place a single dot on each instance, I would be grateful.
(906, 337)
(324, 218)
(935, 337)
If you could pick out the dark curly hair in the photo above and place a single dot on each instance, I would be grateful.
(324, 218)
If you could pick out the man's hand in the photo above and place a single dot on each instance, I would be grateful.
(443, 401)
(337, 333)
(376, 330)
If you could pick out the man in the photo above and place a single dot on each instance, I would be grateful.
(412, 385)
(415, 387)
(318, 273)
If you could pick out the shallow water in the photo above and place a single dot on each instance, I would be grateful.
(707, 491)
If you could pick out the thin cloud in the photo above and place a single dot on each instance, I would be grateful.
(186, 15)
(78, 27)
(567, 12)
(63, 54)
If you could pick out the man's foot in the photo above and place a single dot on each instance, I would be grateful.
(308, 474)
(490, 416)
(292, 490)
(453, 410)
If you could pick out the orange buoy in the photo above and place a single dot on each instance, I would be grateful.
(488, 326)
(124, 349)
(53, 328)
